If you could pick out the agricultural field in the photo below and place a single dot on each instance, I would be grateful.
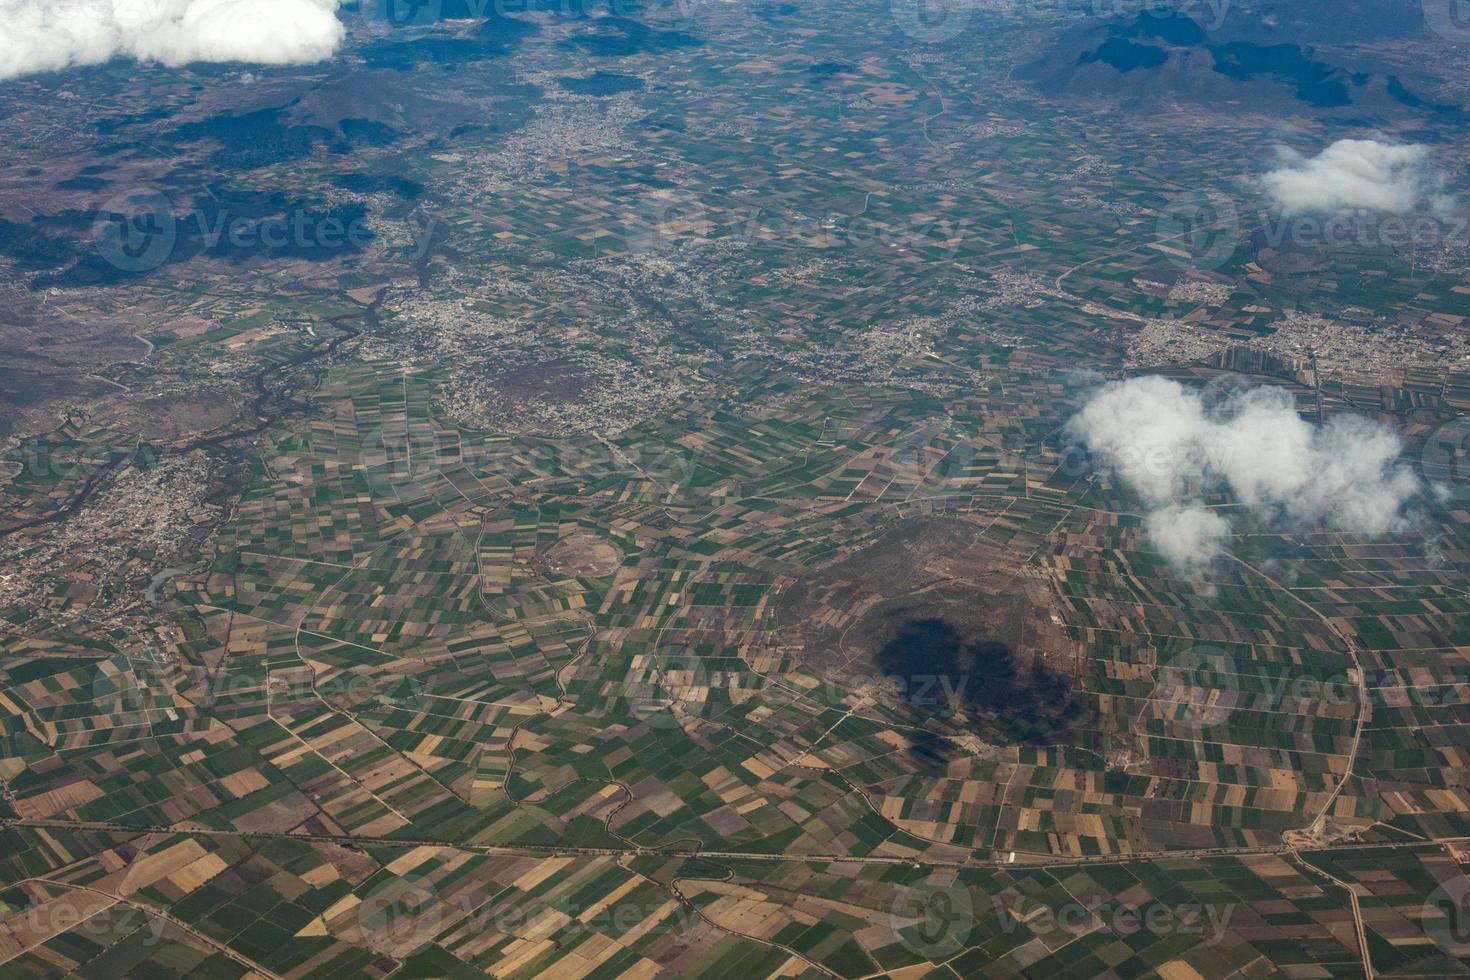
(654, 537)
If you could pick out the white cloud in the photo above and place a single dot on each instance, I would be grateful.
(1355, 175)
(1172, 448)
(1188, 535)
(46, 35)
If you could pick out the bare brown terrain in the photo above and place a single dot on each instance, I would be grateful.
(951, 618)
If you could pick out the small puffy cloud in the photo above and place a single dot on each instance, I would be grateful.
(1187, 535)
(47, 35)
(1173, 447)
(1147, 429)
(1355, 175)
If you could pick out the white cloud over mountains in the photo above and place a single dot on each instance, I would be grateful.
(1355, 175)
(1173, 448)
(46, 35)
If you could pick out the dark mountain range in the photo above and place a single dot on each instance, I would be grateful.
(1309, 58)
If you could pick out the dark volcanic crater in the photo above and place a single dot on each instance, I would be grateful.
(1007, 695)
(937, 618)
